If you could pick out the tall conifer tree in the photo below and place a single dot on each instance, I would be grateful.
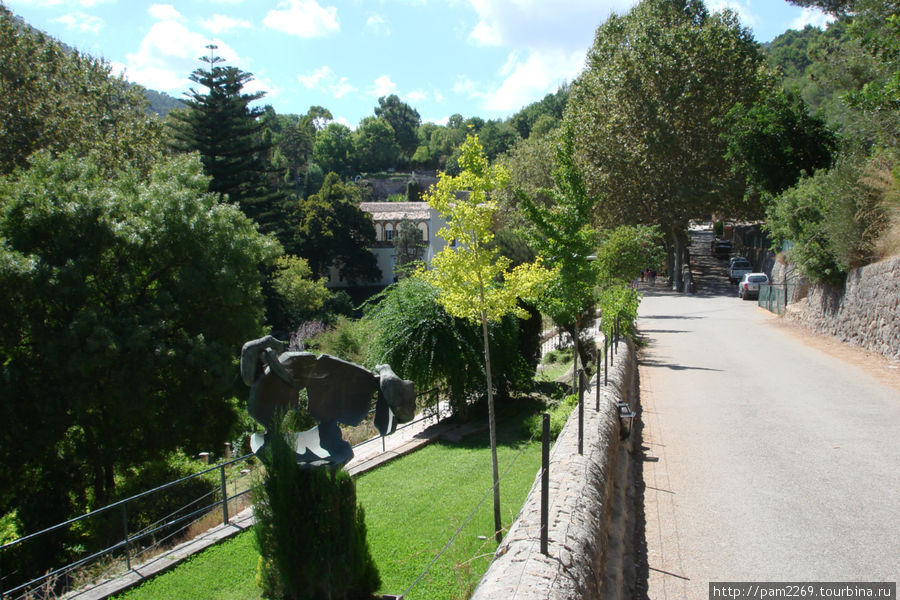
(227, 132)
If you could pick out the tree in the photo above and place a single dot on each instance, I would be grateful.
(404, 120)
(333, 150)
(220, 124)
(310, 532)
(775, 141)
(300, 294)
(56, 100)
(334, 231)
(125, 301)
(408, 245)
(374, 145)
(645, 114)
(566, 237)
(474, 282)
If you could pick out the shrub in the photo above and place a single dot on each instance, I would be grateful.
(310, 533)
(559, 414)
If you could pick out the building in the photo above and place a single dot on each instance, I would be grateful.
(388, 217)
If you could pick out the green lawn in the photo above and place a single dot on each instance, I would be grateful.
(413, 506)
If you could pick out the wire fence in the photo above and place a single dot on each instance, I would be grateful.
(128, 531)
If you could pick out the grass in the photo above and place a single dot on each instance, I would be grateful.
(413, 506)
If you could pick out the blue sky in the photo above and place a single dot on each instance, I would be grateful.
(485, 58)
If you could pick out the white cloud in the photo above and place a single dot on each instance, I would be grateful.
(170, 52)
(742, 8)
(303, 18)
(541, 24)
(220, 24)
(81, 22)
(313, 80)
(378, 24)
(324, 78)
(812, 16)
(523, 81)
(165, 12)
(417, 96)
(384, 87)
(65, 3)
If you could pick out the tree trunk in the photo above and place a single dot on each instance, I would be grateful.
(492, 427)
(678, 283)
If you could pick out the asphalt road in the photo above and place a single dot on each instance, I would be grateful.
(764, 459)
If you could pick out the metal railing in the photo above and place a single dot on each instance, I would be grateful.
(775, 297)
(141, 543)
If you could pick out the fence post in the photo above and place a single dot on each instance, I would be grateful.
(616, 337)
(125, 529)
(597, 385)
(545, 480)
(605, 360)
(580, 411)
(224, 496)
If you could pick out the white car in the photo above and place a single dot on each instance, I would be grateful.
(738, 268)
(749, 285)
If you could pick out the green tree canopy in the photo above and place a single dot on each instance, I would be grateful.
(473, 280)
(125, 303)
(645, 113)
(374, 145)
(220, 124)
(333, 150)
(775, 141)
(404, 120)
(334, 231)
(54, 100)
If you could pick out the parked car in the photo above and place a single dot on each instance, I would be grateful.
(721, 248)
(749, 285)
(738, 268)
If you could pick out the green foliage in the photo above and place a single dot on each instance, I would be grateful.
(178, 500)
(626, 251)
(833, 218)
(409, 246)
(530, 163)
(56, 100)
(334, 231)
(404, 121)
(413, 333)
(563, 232)
(301, 295)
(122, 297)
(468, 271)
(333, 150)
(348, 339)
(618, 301)
(374, 145)
(221, 126)
(775, 141)
(645, 112)
(310, 533)
(533, 426)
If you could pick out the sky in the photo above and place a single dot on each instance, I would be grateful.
(484, 58)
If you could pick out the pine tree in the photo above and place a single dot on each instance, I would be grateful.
(226, 131)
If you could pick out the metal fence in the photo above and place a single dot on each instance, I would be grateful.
(132, 544)
(774, 297)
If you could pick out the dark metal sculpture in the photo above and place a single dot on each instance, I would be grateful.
(338, 391)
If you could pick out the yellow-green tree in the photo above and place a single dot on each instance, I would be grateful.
(474, 281)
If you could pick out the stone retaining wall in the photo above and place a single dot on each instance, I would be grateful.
(865, 313)
(590, 549)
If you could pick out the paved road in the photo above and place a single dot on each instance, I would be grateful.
(764, 459)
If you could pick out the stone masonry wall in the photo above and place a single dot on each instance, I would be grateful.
(865, 313)
(588, 515)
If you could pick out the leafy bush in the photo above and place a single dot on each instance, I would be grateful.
(347, 339)
(618, 301)
(559, 414)
(834, 218)
(310, 533)
(422, 342)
